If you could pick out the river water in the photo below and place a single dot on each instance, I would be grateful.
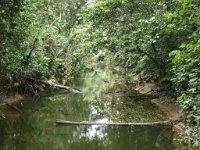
(35, 129)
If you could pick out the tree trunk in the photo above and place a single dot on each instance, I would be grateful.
(168, 123)
(70, 89)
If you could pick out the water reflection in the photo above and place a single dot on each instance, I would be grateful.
(95, 131)
(35, 128)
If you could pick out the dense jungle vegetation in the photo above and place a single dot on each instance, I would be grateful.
(55, 40)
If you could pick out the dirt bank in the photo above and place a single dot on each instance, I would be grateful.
(10, 98)
(165, 103)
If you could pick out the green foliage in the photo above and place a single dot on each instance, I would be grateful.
(186, 63)
(159, 39)
(35, 39)
(132, 34)
(54, 40)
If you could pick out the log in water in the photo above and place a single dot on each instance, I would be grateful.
(168, 123)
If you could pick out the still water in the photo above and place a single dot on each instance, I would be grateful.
(35, 129)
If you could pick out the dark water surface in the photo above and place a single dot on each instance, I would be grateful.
(35, 128)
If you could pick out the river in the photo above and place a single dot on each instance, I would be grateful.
(35, 128)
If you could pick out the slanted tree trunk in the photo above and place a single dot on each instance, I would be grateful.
(70, 89)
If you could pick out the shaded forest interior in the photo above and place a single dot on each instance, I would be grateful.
(54, 41)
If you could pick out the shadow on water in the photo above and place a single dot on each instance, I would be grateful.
(35, 128)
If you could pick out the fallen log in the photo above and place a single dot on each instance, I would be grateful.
(168, 123)
(70, 89)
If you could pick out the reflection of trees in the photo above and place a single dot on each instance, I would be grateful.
(125, 109)
(116, 108)
(35, 128)
(93, 85)
(118, 138)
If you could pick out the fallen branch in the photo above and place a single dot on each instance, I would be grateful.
(70, 89)
(168, 123)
